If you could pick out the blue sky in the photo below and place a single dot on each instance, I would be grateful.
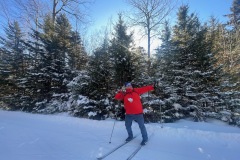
(206, 8)
(103, 10)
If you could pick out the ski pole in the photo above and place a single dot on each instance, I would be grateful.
(161, 115)
(110, 141)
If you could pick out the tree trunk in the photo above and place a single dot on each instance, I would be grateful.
(149, 41)
(54, 10)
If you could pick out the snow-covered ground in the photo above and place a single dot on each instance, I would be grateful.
(25, 136)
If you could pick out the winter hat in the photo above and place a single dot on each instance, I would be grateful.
(128, 84)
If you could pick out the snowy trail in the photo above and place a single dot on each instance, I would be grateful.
(26, 136)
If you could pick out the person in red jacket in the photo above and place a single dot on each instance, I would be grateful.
(134, 110)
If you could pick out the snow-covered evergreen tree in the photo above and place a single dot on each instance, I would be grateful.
(232, 45)
(13, 64)
(6, 83)
(140, 64)
(120, 50)
(188, 77)
(101, 71)
(13, 45)
(77, 56)
(47, 80)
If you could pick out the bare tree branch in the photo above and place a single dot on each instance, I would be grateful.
(75, 8)
(150, 15)
(5, 13)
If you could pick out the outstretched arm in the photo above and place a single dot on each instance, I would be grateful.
(144, 89)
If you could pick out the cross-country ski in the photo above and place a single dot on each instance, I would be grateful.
(116, 148)
(134, 152)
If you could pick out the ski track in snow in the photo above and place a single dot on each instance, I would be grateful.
(25, 136)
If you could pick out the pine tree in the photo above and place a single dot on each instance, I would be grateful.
(48, 79)
(60, 71)
(13, 45)
(234, 16)
(120, 52)
(228, 56)
(232, 45)
(187, 71)
(37, 84)
(164, 53)
(140, 67)
(14, 61)
(165, 39)
(77, 57)
(101, 71)
(5, 73)
(98, 86)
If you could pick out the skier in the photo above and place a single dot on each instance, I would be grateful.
(133, 107)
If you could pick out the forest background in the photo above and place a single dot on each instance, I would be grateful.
(45, 66)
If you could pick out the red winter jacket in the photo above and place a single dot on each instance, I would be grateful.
(131, 99)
